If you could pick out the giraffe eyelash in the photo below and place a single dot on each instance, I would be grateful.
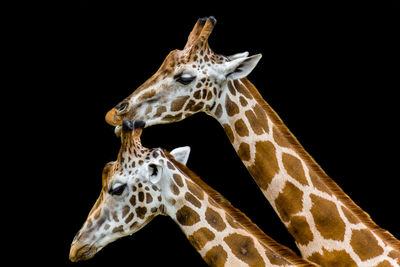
(153, 100)
(184, 78)
(117, 189)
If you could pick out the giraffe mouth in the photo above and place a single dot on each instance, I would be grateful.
(84, 252)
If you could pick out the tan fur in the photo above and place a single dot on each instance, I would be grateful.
(260, 156)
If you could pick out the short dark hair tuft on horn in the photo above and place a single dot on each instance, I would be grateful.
(127, 125)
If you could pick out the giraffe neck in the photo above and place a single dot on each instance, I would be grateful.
(221, 234)
(317, 213)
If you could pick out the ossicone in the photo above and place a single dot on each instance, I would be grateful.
(201, 31)
(127, 125)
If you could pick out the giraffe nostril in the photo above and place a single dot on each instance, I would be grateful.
(121, 107)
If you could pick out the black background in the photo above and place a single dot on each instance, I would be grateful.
(326, 70)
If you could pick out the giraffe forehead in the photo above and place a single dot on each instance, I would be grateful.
(177, 62)
(174, 59)
(132, 162)
(177, 59)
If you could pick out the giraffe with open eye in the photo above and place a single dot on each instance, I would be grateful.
(143, 183)
(328, 227)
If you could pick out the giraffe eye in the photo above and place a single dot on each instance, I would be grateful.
(121, 106)
(117, 189)
(185, 79)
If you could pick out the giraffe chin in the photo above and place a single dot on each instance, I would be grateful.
(117, 130)
(82, 253)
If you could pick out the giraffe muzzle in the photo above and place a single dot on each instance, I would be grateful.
(113, 118)
(80, 252)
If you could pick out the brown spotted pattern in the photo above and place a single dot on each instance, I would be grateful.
(333, 258)
(300, 230)
(395, 255)
(261, 140)
(384, 264)
(215, 220)
(321, 217)
(215, 230)
(253, 121)
(187, 216)
(243, 248)
(241, 128)
(231, 107)
(294, 168)
(289, 202)
(365, 244)
(200, 237)
(192, 199)
(244, 152)
(216, 256)
(327, 218)
(265, 165)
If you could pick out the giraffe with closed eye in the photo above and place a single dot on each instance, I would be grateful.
(328, 227)
(143, 183)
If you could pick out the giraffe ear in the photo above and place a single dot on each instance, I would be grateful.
(240, 66)
(238, 55)
(181, 154)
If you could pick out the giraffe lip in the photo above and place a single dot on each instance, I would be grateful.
(84, 252)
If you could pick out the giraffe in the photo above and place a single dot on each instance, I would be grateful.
(144, 183)
(328, 227)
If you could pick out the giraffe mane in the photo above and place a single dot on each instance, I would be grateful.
(240, 217)
(336, 190)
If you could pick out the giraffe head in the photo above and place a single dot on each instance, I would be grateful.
(188, 81)
(131, 194)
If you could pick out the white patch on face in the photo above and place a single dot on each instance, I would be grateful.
(215, 73)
